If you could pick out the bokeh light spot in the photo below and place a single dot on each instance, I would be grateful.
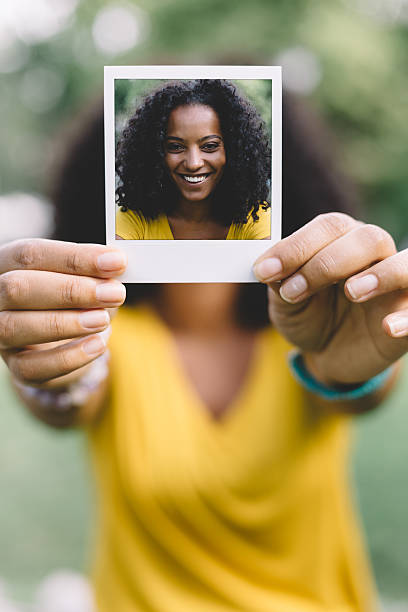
(301, 70)
(386, 11)
(36, 21)
(64, 591)
(117, 29)
(24, 215)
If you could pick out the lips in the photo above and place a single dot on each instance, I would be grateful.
(194, 179)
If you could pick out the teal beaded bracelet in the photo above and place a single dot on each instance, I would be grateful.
(305, 378)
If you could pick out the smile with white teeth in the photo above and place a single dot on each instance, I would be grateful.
(195, 179)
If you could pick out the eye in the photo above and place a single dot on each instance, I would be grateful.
(174, 147)
(210, 146)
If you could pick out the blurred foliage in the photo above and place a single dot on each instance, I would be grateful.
(363, 91)
(128, 95)
(130, 92)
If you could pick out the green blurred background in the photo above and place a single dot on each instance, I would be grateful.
(348, 58)
(129, 93)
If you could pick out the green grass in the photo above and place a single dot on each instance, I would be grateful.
(381, 474)
(45, 497)
(46, 494)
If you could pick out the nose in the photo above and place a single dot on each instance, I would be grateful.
(193, 160)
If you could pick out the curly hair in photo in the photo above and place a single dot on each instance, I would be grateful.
(144, 183)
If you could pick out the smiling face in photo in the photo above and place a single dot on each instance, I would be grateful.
(195, 154)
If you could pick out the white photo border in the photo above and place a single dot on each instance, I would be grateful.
(201, 261)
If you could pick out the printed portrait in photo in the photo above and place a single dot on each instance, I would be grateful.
(193, 159)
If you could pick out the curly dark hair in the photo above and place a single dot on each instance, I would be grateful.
(144, 184)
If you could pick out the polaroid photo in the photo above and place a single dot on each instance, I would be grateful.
(193, 158)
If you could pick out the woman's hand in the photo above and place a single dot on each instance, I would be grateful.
(54, 298)
(338, 290)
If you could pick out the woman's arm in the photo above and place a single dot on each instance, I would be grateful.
(55, 299)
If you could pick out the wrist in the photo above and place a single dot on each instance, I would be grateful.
(324, 387)
(71, 393)
(314, 365)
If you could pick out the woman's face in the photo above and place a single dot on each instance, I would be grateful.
(195, 153)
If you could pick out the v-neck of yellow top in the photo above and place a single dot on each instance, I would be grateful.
(168, 229)
(235, 410)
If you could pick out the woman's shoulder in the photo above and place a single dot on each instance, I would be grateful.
(263, 213)
(132, 225)
(254, 229)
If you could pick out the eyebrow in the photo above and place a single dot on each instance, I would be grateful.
(200, 140)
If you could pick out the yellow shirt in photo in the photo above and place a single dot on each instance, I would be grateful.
(133, 226)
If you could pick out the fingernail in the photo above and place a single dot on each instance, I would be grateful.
(94, 319)
(110, 292)
(360, 287)
(398, 324)
(293, 288)
(111, 261)
(94, 345)
(268, 269)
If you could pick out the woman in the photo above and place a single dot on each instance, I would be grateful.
(194, 163)
(222, 479)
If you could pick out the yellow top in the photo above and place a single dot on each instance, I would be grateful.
(133, 226)
(251, 513)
